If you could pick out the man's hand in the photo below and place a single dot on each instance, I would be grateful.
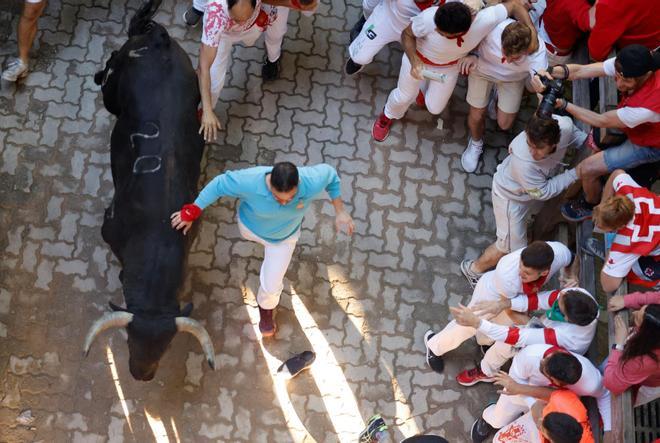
(210, 125)
(178, 224)
(416, 67)
(616, 303)
(537, 84)
(620, 330)
(509, 386)
(344, 222)
(567, 279)
(467, 64)
(490, 309)
(464, 316)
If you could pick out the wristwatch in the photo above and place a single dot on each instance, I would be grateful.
(617, 346)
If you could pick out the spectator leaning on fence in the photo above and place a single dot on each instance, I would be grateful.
(506, 60)
(633, 213)
(529, 176)
(634, 362)
(570, 320)
(637, 77)
(17, 67)
(619, 23)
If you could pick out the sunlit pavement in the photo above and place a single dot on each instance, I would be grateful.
(362, 304)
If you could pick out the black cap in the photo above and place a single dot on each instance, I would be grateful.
(637, 60)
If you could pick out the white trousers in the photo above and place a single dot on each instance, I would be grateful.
(277, 257)
(522, 429)
(506, 410)
(454, 334)
(436, 93)
(274, 35)
(496, 356)
(380, 29)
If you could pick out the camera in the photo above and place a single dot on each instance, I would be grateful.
(554, 89)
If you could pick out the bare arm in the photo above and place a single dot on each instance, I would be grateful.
(210, 123)
(578, 72)
(610, 119)
(409, 43)
(343, 221)
(609, 283)
(608, 190)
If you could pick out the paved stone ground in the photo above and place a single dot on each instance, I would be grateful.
(362, 303)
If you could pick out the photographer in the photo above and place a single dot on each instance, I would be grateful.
(635, 70)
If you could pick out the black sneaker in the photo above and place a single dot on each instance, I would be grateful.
(352, 68)
(481, 430)
(577, 210)
(357, 28)
(594, 247)
(435, 362)
(270, 70)
(376, 427)
(296, 364)
(192, 16)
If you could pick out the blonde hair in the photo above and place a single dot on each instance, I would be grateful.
(614, 213)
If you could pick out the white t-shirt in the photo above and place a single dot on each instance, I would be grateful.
(630, 117)
(492, 62)
(217, 21)
(441, 50)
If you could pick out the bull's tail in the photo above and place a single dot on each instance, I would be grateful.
(140, 21)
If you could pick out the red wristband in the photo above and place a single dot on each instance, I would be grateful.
(190, 212)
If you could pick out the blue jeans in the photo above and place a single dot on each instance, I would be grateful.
(629, 155)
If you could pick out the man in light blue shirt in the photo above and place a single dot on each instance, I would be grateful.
(272, 203)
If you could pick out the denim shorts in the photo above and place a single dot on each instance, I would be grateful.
(629, 155)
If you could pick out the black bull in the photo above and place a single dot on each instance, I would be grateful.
(150, 85)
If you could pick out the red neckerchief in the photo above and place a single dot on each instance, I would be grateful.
(458, 38)
(532, 288)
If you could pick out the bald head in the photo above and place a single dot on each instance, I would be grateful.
(241, 10)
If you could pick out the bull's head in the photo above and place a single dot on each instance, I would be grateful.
(149, 337)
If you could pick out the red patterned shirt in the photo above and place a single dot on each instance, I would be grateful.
(217, 22)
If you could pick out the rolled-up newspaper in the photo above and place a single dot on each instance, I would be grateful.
(433, 75)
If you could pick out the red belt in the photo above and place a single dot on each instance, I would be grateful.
(429, 62)
(556, 51)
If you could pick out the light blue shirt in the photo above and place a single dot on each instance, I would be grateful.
(258, 210)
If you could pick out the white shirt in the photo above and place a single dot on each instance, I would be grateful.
(505, 280)
(491, 58)
(630, 117)
(442, 50)
(217, 22)
(525, 369)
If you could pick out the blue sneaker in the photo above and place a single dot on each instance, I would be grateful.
(577, 210)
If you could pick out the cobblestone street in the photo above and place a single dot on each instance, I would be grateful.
(361, 303)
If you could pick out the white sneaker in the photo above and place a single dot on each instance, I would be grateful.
(471, 155)
(15, 69)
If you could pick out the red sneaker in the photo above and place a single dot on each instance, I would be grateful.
(266, 322)
(472, 377)
(381, 128)
(421, 100)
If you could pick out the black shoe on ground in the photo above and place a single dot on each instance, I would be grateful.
(192, 16)
(435, 362)
(357, 28)
(296, 364)
(481, 430)
(270, 70)
(352, 68)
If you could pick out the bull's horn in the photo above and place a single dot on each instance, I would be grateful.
(185, 324)
(110, 320)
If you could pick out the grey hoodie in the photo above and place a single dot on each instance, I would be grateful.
(521, 178)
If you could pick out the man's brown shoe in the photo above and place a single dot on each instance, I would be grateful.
(266, 322)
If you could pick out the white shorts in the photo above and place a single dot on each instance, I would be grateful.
(509, 94)
(511, 222)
